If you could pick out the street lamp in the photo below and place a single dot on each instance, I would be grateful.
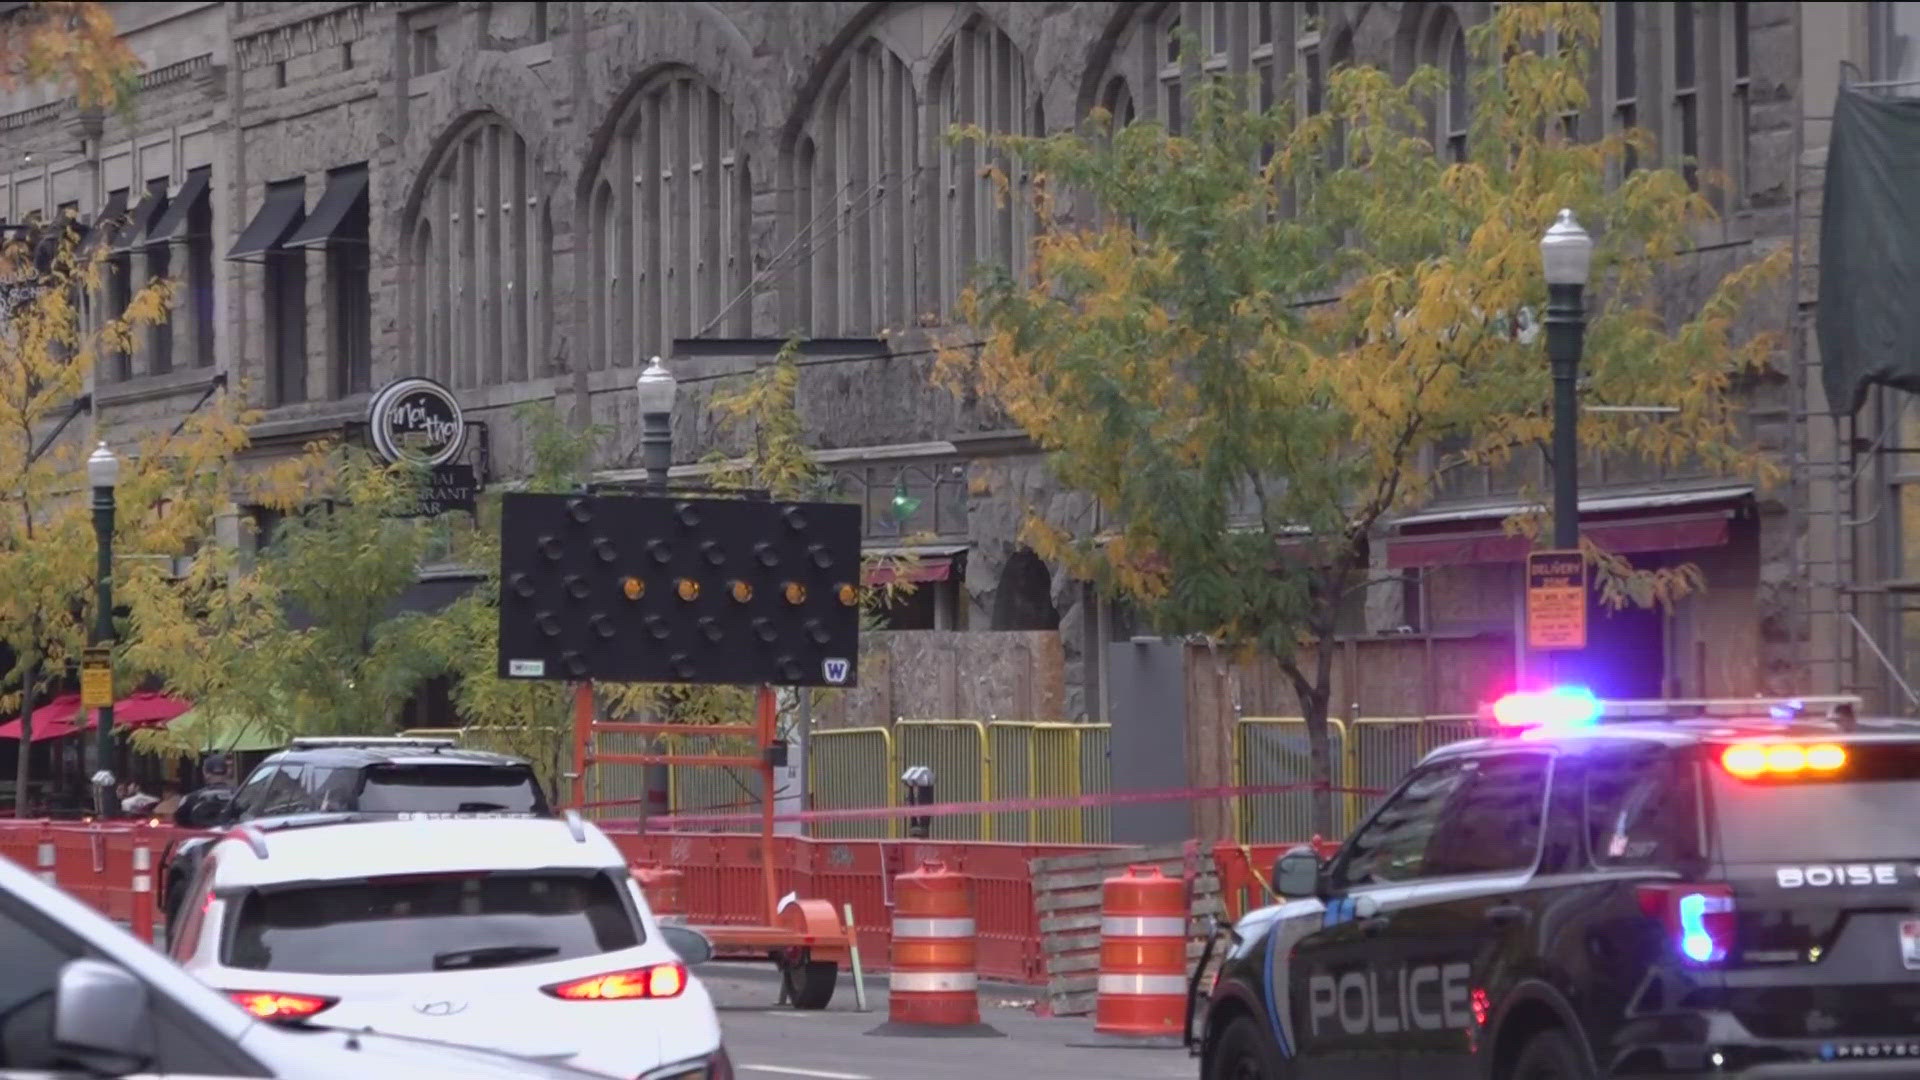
(657, 389)
(1566, 253)
(103, 472)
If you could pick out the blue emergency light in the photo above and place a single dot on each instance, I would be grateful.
(1560, 707)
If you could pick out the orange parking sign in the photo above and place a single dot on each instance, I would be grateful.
(1556, 600)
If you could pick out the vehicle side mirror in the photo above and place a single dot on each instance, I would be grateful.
(1296, 874)
(689, 944)
(101, 1011)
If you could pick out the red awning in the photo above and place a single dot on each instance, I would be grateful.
(62, 715)
(1628, 537)
(925, 569)
(51, 719)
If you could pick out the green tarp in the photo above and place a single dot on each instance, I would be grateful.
(206, 732)
(1869, 314)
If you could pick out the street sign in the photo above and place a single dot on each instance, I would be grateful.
(447, 488)
(96, 678)
(660, 589)
(1556, 600)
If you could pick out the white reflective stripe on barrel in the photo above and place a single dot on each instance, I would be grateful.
(933, 928)
(143, 883)
(1144, 985)
(933, 982)
(46, 854)
(1143, 926)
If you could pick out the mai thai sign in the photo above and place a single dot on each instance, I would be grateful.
(418, 421)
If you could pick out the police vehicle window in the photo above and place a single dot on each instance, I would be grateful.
(1492, 823)
(1393, 846)
(431, 922)
(1863, 810)
(448, 788)
(284, 793)
(330, 787)
(1641, 809)
(247, 800)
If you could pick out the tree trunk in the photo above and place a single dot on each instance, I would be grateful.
(1313, 709)
(23, 771)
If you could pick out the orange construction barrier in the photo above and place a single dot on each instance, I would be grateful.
(661, 885)
(934, 980)
(142, 913)
(1143, 955)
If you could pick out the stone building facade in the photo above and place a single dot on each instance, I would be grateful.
(525, 201)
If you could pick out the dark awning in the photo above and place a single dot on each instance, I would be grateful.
(1624, 524)
(172, 225)
(145, 214)
(278, 216)
(107, 222)
(344, 189)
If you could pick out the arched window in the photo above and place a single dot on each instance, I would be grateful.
(889, 216)
(981, 81)
(1443, 45)
(670, 217)
(477, 297)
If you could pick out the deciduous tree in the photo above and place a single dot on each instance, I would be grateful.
(175, 482)
(1273, 332)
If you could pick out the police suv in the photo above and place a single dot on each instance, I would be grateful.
(1732, 894)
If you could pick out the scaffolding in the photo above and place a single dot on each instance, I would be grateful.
(1852, 591)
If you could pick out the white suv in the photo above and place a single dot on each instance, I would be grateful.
(80, 996)
(522, 936)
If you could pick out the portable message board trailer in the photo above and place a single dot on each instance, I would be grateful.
(675, 589)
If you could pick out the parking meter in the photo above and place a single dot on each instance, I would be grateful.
(919, 782)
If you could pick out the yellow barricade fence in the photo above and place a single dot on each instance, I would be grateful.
(1369, 752)
(1039, 761)
(1274, 750)
(957, 752)
(850, 768)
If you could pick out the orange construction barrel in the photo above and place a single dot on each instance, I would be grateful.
(934, 981)
(1143, 955)
(661, 886)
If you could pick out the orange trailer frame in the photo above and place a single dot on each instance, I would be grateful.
(805, 938)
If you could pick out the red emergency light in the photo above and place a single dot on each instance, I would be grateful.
(1560, 707)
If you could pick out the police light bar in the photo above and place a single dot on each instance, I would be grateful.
(1560, 707)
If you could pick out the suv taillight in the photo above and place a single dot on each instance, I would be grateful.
(1699, 918)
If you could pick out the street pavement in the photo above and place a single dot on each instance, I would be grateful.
(769, 1042)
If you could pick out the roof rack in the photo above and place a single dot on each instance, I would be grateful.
(314, 742)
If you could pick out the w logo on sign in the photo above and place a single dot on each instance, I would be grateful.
(836, 671)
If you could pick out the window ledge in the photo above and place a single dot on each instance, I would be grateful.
(309, 418)
(150, 387)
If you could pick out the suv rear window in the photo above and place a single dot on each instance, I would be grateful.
(450, 789)
(439, 922)
(1863, 811)
(1642, 808)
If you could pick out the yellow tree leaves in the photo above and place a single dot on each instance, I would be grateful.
(74, 46)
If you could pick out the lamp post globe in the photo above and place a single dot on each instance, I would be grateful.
(1566, 251)
(657, 390)
(103, 467)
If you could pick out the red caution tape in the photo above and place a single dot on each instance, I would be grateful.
(993, 806)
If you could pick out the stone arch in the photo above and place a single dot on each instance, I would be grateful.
(476, 280)
(864, 155)
(481, 83)
(1434, 34)
(669, 220)
(1023, 597)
